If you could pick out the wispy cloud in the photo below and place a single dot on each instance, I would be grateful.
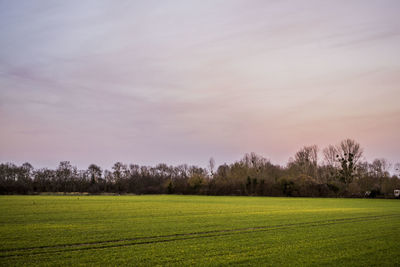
(181, 81)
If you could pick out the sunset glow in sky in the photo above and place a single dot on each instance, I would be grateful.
(182, 81)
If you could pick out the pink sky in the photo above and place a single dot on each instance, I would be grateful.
(182, 81)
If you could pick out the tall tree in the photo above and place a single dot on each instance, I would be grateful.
(330, 158)
(64, 174)
(347, 147)
(306, 159)
(94, 173)
(347, 170)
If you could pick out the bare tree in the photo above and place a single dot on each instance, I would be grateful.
(253, 160)
(211, 165)
(64, 175)
(349, 147)
(380, 167)
(308, 154)
(307, 159)
(330, 154)
(94, 173)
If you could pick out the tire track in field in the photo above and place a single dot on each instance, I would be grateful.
(199, 233)
(176, 237)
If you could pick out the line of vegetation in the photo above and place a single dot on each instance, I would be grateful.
(341, 173)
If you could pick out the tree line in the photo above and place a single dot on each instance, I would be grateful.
(341, 172)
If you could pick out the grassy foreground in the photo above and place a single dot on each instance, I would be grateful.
(198, 230)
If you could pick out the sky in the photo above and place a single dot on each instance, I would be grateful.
(177, 82)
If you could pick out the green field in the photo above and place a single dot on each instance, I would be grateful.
(198, 230)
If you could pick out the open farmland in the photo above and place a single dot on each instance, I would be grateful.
(204, 230)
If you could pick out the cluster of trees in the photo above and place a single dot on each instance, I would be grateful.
(340, 173)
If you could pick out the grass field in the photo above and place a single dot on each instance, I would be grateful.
(198, 230)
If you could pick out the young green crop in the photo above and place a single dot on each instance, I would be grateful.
(197, 230)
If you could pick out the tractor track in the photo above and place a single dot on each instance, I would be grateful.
(176, 237)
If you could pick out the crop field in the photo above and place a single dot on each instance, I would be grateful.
(198, 230)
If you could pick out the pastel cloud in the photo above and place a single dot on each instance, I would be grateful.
(179, 81)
